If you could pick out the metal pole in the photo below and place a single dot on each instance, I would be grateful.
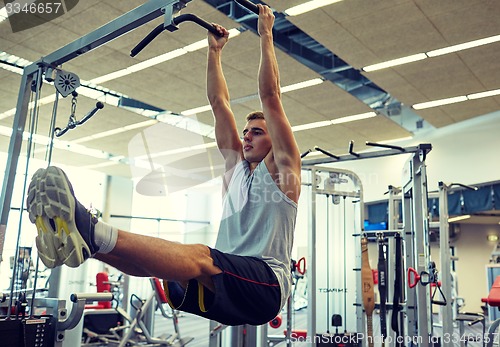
(311, 262)
(445, 260)
(422, 252)
(16, 140)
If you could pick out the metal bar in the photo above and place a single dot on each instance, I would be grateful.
(14, 149)
(425, 148)
(160, 219)
(421, 247)
(311, 263)
(393, 222)
(445, 260)
(409, 241)
(106, 33)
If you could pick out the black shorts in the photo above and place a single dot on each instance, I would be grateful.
(246, 292)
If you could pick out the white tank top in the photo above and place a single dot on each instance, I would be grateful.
(258, 220)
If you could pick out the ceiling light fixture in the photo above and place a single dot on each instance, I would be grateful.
(300, 85)
(333, 121)
(395, 62)
(440, 102)
(463, 46)
(353, 118)
(453, 100)
(431, 54)
(3, 14)
(311, 125)
(483, 94)
(308, 6)
(196, 110)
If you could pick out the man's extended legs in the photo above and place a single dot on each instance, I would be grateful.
(69, 234)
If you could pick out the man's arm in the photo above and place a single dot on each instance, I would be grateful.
(226, 132)
(285, 156)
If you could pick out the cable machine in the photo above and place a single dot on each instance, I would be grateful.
(415, 316)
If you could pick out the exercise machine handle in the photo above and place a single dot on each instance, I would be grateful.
(301, 266)
(98, 106)
(416, 277)
(188, 17)
(73, 123)
(90, 297)
(147, 40)
(249, 5)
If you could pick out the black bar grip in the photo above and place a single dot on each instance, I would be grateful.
(176, 21)
(194, 18)
(147, 40)
(249, 5)
(89, 297)
(326, 153)
(383, 145)
(303, 155)
(99, 105)
(60, 132)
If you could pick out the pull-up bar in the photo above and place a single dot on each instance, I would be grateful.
(171, 24)
(421, 149)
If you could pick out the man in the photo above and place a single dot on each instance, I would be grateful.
(245, 279)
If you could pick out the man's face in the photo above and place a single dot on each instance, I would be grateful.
(256, 140)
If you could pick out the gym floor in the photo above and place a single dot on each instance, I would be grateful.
(197, 327)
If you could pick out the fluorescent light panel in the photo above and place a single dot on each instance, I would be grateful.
(456, 99)
(311, 125)
(483, 94)
(308, 6)
(463, 46)
(341, 120)
(440, 102)
(395, 62)
(431, 54)
(300, 85)
(3, 14)
(196, 110)
(353, 118)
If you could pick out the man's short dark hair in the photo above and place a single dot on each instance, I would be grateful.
(254, 115)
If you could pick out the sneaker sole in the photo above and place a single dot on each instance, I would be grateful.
(50, 197)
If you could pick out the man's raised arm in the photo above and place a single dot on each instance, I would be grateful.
(285, 154)
(226, 133)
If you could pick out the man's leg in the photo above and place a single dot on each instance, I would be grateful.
(147, 256)
(69, 234)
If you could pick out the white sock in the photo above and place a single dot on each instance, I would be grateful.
(105, 237)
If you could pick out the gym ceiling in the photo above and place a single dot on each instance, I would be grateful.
(329, 46)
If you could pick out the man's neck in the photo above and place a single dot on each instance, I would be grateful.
(252, 166)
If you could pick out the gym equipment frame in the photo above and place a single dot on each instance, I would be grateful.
(417, 306)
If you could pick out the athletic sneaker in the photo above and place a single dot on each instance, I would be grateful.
(65, 226)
